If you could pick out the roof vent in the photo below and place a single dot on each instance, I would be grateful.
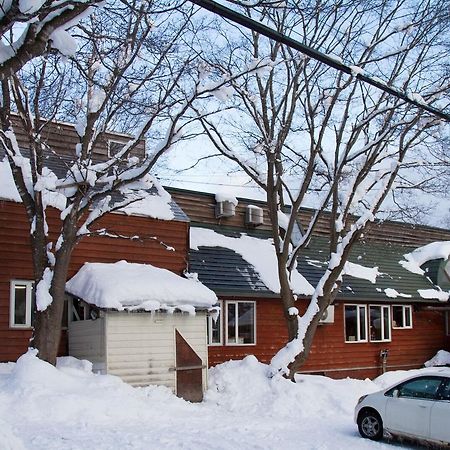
(254, 216)
(225, 209)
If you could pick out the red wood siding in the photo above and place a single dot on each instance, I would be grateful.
(15, 257)
(200, 207)
(330, 355)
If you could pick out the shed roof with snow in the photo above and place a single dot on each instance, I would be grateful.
(131, 286)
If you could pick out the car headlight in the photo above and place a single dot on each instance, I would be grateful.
(361, 399)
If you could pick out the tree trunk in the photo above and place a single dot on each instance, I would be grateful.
(301, 358)
(48, 323)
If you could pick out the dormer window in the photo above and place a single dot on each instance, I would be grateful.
(114, 147)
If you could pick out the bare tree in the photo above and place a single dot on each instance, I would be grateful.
(135, 71)
(30, 28)
(308, 134)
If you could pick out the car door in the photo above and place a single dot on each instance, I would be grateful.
(440, 415)
(408, 408)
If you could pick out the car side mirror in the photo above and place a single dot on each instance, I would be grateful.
(396, 393)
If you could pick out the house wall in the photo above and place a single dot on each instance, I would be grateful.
(87, 341)
(62, 138)
(16, 263)
(330, 354)
(200, 207)
(141, 346)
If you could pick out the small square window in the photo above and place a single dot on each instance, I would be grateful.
(240, 323)
(401, 316)
(21, 304)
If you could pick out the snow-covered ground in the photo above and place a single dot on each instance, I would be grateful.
(69, 407)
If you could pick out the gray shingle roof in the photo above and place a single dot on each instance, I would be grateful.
(227, 273)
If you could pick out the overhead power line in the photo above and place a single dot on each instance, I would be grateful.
(260, 28)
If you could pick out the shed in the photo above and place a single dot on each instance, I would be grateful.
(144, 324)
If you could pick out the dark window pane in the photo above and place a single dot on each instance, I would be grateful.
(387, 325)
(422, 388)
(20, 304)
(397, 316)
(408, 312)
(351, 333)
(246, 323)
(375, 323)
(362, 324)
(231, 309)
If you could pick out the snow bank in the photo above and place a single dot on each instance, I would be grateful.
(260, 253)
(441, 358)
(418, 257)
(245, 386)
(68, 407)
(131, 286)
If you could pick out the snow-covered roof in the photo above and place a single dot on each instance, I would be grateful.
(235, 263)
(259, 253)
(415, 259)
(149, 198)
(130, 286)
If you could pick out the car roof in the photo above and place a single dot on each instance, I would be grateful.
(443, 372)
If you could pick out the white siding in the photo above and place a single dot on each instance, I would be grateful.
(141, 346)
(87, 341)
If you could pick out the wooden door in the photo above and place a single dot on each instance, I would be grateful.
(189, 370)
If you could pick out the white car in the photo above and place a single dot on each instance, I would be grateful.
(418, 407)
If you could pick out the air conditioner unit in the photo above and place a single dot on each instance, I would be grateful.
(225, 209)
(254, 216)
(328, 315)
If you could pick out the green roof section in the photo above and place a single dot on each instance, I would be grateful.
(228, 273)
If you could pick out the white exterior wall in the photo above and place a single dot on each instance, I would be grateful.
(140, 347)
(87, 341)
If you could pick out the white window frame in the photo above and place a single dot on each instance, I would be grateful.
(12, 303)
(358, 324)
(388, 309)
(236, 326)
(404, 309)
(209, 328)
